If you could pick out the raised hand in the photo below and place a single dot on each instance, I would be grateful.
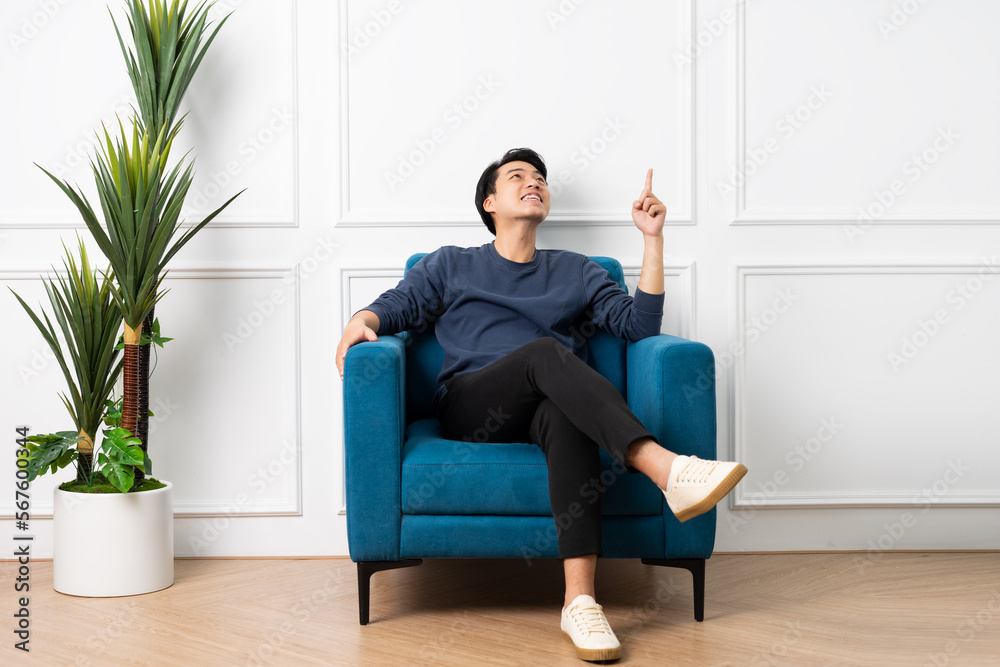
(648, 212)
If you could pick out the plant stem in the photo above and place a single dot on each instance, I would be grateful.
(142, 398)
(85, 457)
(130, 378)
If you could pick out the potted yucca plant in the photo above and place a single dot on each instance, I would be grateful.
(138, 228)
(83, 341)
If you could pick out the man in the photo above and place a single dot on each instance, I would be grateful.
(506, 315)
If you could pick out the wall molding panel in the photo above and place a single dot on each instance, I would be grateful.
(931, 336)
(226, 154)
(880, 204)
(583, 217)
(284, 461)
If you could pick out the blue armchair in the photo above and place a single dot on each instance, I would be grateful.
(412, 494)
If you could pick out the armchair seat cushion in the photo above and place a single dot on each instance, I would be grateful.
(449, 477)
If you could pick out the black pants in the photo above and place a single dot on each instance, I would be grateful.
(543, 394)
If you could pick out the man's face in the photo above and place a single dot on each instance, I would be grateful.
(521, 193)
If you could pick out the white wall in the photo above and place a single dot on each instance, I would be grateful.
(856, 361)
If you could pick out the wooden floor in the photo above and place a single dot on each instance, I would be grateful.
(827, 610)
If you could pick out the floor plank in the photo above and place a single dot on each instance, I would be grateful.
(822, 610)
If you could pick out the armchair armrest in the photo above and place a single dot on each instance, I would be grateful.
(374, 423)
(671, 389)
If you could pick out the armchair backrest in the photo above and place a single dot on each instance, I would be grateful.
(424, 355)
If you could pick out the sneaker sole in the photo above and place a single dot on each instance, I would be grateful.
(712, 499)
(594, 653)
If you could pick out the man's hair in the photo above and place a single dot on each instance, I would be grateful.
(488, 181)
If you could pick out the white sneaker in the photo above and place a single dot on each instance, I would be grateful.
(696, 485)
(584, 624)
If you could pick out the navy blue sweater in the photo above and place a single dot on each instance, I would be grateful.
(483, 306)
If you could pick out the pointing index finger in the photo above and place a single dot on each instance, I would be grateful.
(649, 180)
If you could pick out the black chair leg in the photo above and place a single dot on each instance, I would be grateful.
(365, 571)
(696, 566)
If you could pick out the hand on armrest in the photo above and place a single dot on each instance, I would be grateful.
(362, 327)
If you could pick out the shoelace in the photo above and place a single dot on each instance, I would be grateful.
(590, 619)
(696, 471)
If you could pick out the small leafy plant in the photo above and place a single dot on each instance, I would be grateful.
(116, 461)
(50, 452)
(120, 456)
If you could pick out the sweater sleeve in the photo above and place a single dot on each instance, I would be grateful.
(614, 311)
(417, 300)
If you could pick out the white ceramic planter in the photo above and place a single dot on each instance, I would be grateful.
(112, 544)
